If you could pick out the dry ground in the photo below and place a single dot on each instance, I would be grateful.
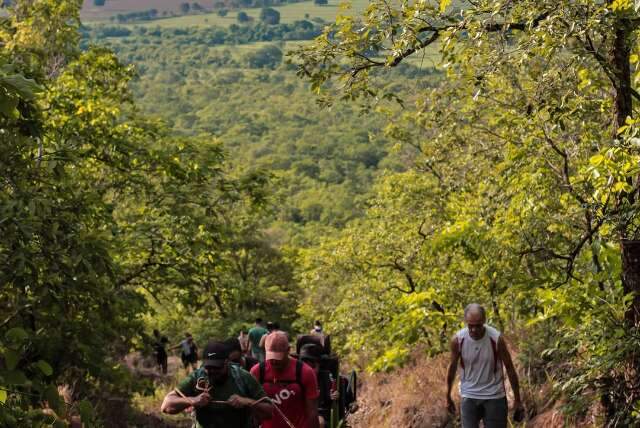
(415, 397)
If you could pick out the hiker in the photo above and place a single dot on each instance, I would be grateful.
(237, 357)
(243, 338)
(290, 384)
(311, 354)
(255, 334)
(317, 331)
(271, 327)
(188, 352)
(160, 351)
(222, 394)
(481, 352)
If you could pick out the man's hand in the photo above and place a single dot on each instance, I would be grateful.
(518, 411)
(201, 400)
(239, 402)
(451, 407)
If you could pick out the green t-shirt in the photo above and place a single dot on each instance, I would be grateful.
(223, 415)
(255, 334)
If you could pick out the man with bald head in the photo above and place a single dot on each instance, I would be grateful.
(481, 353)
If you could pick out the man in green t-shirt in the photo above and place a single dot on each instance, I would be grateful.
(223, 395)
(255, 334)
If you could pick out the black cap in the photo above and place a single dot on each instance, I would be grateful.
(215, 354)
(310, 351)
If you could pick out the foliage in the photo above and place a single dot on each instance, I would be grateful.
(267, 57)
(100, 209)
(522, 184)
(270, 16)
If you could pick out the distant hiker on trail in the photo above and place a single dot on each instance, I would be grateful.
(290, 384)
(317, 331)
(481, 352)
(237, 357)
(255, 334)
(311, 354)
(160, 351)
(271, 327)
(188, 352)
(243, 338)
(222, 394)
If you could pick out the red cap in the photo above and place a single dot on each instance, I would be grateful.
(277, 345)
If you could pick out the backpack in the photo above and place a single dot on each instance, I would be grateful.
(297, 380)
(239, 380)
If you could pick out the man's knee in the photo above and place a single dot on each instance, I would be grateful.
(321, 422)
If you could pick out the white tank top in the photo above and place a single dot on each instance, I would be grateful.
(482, 376)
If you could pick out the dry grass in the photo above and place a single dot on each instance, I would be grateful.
(415, 397)
(412, 397)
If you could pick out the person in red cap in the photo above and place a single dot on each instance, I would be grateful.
(291, 385)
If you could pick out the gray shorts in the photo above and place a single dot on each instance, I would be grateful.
(492, 412)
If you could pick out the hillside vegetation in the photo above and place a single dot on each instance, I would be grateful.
(377, 174)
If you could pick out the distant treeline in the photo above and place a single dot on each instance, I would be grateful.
(143, 15)
(243, 4)
(211, 36)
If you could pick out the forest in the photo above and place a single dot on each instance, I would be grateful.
(376, 173)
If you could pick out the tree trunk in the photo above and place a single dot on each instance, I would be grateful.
(624, 108)
(631, 278)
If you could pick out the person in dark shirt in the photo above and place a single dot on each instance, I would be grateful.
(237, 357)
(311, 354)
(160, 351)
(222, 394)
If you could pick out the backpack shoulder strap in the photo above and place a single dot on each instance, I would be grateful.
(299, 366)
(239, 380)
(494, 348)
(261, 374)
(460, 342)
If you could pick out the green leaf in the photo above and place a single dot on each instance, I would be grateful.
(26, 88)
(15, 377)
(17, 335)
(54, 400)
(8, 106)
(86, 411)
(45, 367)
(444, 4)
(11, 358)
(3, 396)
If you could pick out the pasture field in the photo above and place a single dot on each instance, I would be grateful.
(288, 13)
(90, 12)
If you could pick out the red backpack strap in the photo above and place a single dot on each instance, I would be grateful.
(494, 348)
(460, 342)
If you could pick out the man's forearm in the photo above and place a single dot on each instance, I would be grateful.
(515, 383)
(314, 422)
(175, 404)
(262, 410)
(451, 377)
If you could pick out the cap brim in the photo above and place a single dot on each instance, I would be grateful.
(275, 355)
(213, 363)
